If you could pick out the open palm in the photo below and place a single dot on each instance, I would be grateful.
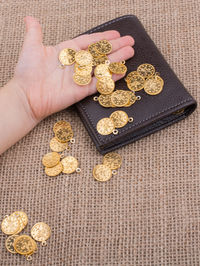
(49, 88)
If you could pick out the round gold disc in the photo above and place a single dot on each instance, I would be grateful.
(51, 159)
(105, 100)
(130, 75)
(153, 85)
(120, 98)
(82, 80)
(102, 172)
(105, 85)
(24, 245)
(20, 220)
(9, 243)
(104, 47)
(146, 70)
(120, 118)
(57, 146)
(10, 225)
(83, 58)
(136, 83)
(113, 160)
(67, 56)
(117, 68)
(83, 71)
(132, 98)
(105, 126)
(70, 164)
(102, 71)
(61, 124)
(54, 171)
(93, 50)
(41, 232)
(64, 134)
(99, 60)
(22, 215)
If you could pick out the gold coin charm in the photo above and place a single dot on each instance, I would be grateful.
(102, 172)
(102, 71)
(67, 56)
(83, 58)
(10, 225)
(117, 68)
(136, 83)
(113, 160)
(9, 243)
(24, 245)
(105, 126)
(57, 146)
(41, 232)
(54, 171)
(132, 98)
(82, 80)
(146, 70)
(63, 135)
(93, 50)
(120, 118)
(105, 85)
(23, 216)
(99, 60)
(61, 124)
(153, 85)
(105, 100)
(21, 223)
(83, 71)
(70, 164)
(104, 47)
(119, 98)
(131, 75)
(51, 159)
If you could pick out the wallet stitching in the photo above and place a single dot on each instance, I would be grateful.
(132, 125)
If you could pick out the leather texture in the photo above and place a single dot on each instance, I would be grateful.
(151, 113)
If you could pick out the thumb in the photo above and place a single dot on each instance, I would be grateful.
(33, 31)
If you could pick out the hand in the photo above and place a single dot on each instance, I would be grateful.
(47, 87)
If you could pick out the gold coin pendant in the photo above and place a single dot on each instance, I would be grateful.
(54, 171)
(105, 126)
(67, 56)
(61, 124)
(51, 159)
(117, 68)
(41, 231)
(132, 98)
(83, 71)
(63, 135)
(136, 83)
(10, 225)
(102, 71)
(153, 85)
(102, 172)
(57, 146)
(105, 85)
(105, 100)
(83, 58)
(146, 70)
(120, 118)
(113, 160)
(24, 245)
(70, 164)
(104, 47)
(120, 98)
(9, 243)
(81, 80)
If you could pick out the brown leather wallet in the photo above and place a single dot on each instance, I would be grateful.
(151, 113)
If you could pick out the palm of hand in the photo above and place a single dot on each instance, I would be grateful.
(48, 87)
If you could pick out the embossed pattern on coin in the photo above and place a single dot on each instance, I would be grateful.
(23, 245)
(9, 243)
(10, 225)
(117, 68)
(120, 118)
(58, 146)
(104, 47)
(61, 124)
(83, 71)
(105, 100)
(146, 70)
(136, 83)
(105, 85)
(102, 71)
(41, 231)
(51, 159)
(153, 85)
(120, 98)
(102, 172)
(70, 164)
(63, 135)
(105, 126)
(130, 75)
(82, 80)
(22, 215)
(132, 98)
(113, 160)
(83, 58)
(54, 171)
(99, 60)
(93, 50)
(67, 56)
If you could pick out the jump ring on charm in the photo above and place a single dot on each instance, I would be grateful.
(29, 258)
(44, 243)
(130, 119)
(6, 216)
(139, 97)
(95, 98)
(114, 172)
(62, 66)
(78, 170)
(72, 140)
(123, 62)
(107, 62)
(115, 131)
(62, 155)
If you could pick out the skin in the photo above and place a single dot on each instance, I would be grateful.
(40, 87)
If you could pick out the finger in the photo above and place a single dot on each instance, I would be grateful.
(121, 42)
(84, 41)
(121, 54)
(33, 31)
